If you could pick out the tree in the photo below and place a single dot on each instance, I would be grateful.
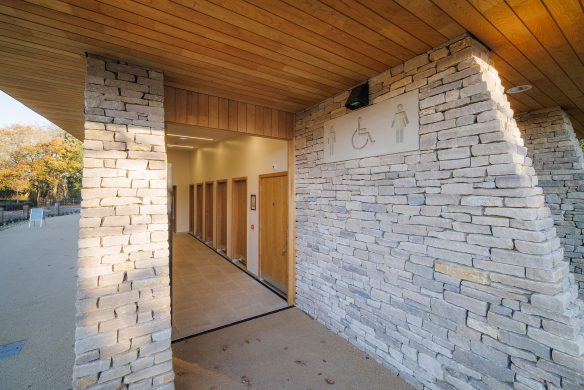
(49, 170)
(15, 136)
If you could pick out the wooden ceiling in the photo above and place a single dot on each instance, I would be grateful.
(287, 54)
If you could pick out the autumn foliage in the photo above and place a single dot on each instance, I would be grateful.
(49, 169)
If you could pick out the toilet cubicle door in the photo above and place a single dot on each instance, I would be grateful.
(274, 230)
(239, 219)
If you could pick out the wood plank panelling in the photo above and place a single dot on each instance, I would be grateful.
(197, 109)
(274, 56)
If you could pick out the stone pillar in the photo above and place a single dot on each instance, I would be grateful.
(559, 164)
(442, 263)
(123, 330)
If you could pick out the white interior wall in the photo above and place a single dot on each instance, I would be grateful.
(181, 178)
(241, 156)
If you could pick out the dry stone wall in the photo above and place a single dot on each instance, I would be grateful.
(557, 158)
(443, 264)
(122, 340)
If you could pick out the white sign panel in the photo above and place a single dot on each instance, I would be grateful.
(390, 126)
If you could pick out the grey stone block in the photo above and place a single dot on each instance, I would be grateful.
(471, 304)
(574, 347)
(483, 365)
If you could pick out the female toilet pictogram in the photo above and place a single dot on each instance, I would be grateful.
(399, 122)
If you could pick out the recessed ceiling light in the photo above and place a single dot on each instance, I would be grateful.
(188, 136)
(519, 88)
(179, 146)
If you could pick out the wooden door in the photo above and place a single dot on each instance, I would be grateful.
(192, 208)
(274, 230)
(199, 208)
(174, 209)
(209, 213)
(221, 205)
(239, 219)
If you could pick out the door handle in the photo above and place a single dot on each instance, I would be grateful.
(285, 249)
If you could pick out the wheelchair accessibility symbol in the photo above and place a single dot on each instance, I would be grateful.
(361, 136)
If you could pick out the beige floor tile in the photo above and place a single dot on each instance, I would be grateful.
(208, 292)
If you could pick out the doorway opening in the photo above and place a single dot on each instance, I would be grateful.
(222, 270)
(239, 221)
(199, 212)
(173, 212)
(221, 214)
(209, 213)
(192, 209)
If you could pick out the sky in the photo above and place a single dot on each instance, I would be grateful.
(14, 112)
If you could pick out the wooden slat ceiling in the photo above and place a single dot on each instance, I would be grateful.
(287, 54)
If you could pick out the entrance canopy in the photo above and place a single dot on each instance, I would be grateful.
(282, 55)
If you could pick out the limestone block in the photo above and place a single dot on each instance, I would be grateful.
(572, 347)
(462, 272)
(471, 304)
(558, 302)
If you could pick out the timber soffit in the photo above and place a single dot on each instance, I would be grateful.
(285, 55)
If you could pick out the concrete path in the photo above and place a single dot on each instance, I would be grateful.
(284, 351)
(37, 303)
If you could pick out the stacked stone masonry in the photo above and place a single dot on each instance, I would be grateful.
(557, 158)
(122, 340)
(444, 264)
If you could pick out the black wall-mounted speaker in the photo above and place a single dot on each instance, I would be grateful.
(359, 97)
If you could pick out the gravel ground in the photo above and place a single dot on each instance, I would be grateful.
(37, 303)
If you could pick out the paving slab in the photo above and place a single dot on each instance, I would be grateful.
(286, 351)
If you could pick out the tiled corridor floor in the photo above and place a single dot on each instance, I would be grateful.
(208, 292)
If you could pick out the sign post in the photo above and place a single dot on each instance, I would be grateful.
(36, 214)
